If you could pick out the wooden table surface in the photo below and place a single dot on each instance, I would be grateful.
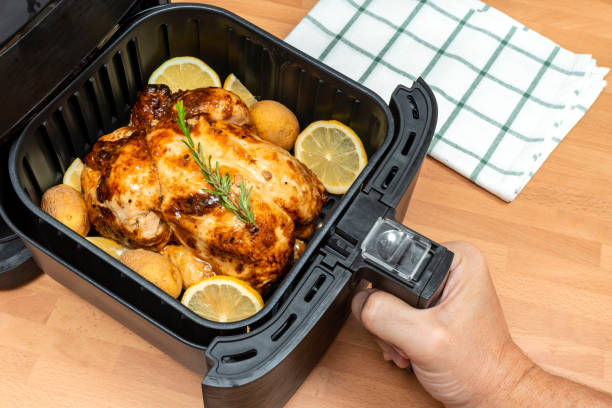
(550, 254)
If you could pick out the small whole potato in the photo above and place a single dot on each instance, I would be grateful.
(66, 205)
(298, 249)
(155, 268)
(275, 123)
(192, 268)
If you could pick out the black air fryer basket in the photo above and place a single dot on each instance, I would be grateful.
(262, 360)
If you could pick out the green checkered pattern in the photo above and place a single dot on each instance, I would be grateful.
(506, 95)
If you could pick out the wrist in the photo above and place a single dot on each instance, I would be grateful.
(514, 368)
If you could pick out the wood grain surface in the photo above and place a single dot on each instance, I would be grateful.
(550, 254)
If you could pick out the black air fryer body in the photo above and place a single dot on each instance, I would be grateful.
(262, 360)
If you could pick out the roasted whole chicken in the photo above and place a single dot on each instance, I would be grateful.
(143, 188)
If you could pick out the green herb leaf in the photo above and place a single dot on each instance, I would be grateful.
(221, 184)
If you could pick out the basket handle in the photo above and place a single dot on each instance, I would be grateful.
(415, 113)
(395, 258)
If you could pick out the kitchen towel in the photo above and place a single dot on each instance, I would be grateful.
(506, 95)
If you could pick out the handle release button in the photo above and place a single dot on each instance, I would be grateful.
(396, 249)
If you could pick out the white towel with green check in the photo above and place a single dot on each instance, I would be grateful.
(507, 96)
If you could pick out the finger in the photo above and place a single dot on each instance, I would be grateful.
(390, 353)
(399, 361)
(468, 273)
(467, 257)
(392, 320)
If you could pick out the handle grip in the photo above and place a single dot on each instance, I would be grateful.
(396, 258)
(393, 257)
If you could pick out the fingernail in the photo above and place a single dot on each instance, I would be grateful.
(357, 304)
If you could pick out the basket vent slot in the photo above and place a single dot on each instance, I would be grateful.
(346, 236)
(166, 40)
(45, 139)
(65, 135)
(415, 110)
(121, 75)
(374, 129)
(262, 71)
(408, 143)
(75, 107)
(31, 177)
(135, 63)
(236, 358)
(246, 48)
(355, 106)
(315, 288)
(196, 23)
(341, 109)
(322, 97)
(284, 327)
(93, 102)
(108, 93)
(390, 176)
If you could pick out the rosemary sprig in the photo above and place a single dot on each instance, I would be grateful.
(221, 183)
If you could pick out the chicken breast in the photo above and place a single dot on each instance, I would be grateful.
(256, 253)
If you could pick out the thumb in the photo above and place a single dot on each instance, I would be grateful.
(393, 321)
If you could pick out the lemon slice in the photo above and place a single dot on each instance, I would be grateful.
(109, 246)
(233, 84)
(72, 177)
(222, 299)
(185, 73)
(333, 152)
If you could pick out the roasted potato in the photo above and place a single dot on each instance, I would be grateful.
(66, 205)
(155, 268)
(192, 268)
(275, 123)
(298, 249)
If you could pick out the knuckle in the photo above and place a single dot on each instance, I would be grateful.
(439, 341)
(470, 251)
(373, 308)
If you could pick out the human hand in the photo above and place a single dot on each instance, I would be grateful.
(460, 350)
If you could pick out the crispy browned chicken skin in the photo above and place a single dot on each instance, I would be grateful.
(156, 103)
(121, 190)
(143, 188)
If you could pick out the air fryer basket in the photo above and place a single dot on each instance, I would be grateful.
(99, 101)
(285, 339)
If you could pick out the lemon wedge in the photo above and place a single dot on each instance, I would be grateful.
(72, 177)
(233, 84)
(223, 299)
(109, 246)
(185, 73)
(334, 152)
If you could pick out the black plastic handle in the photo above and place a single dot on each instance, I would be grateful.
(386, 197)
(415, 111)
